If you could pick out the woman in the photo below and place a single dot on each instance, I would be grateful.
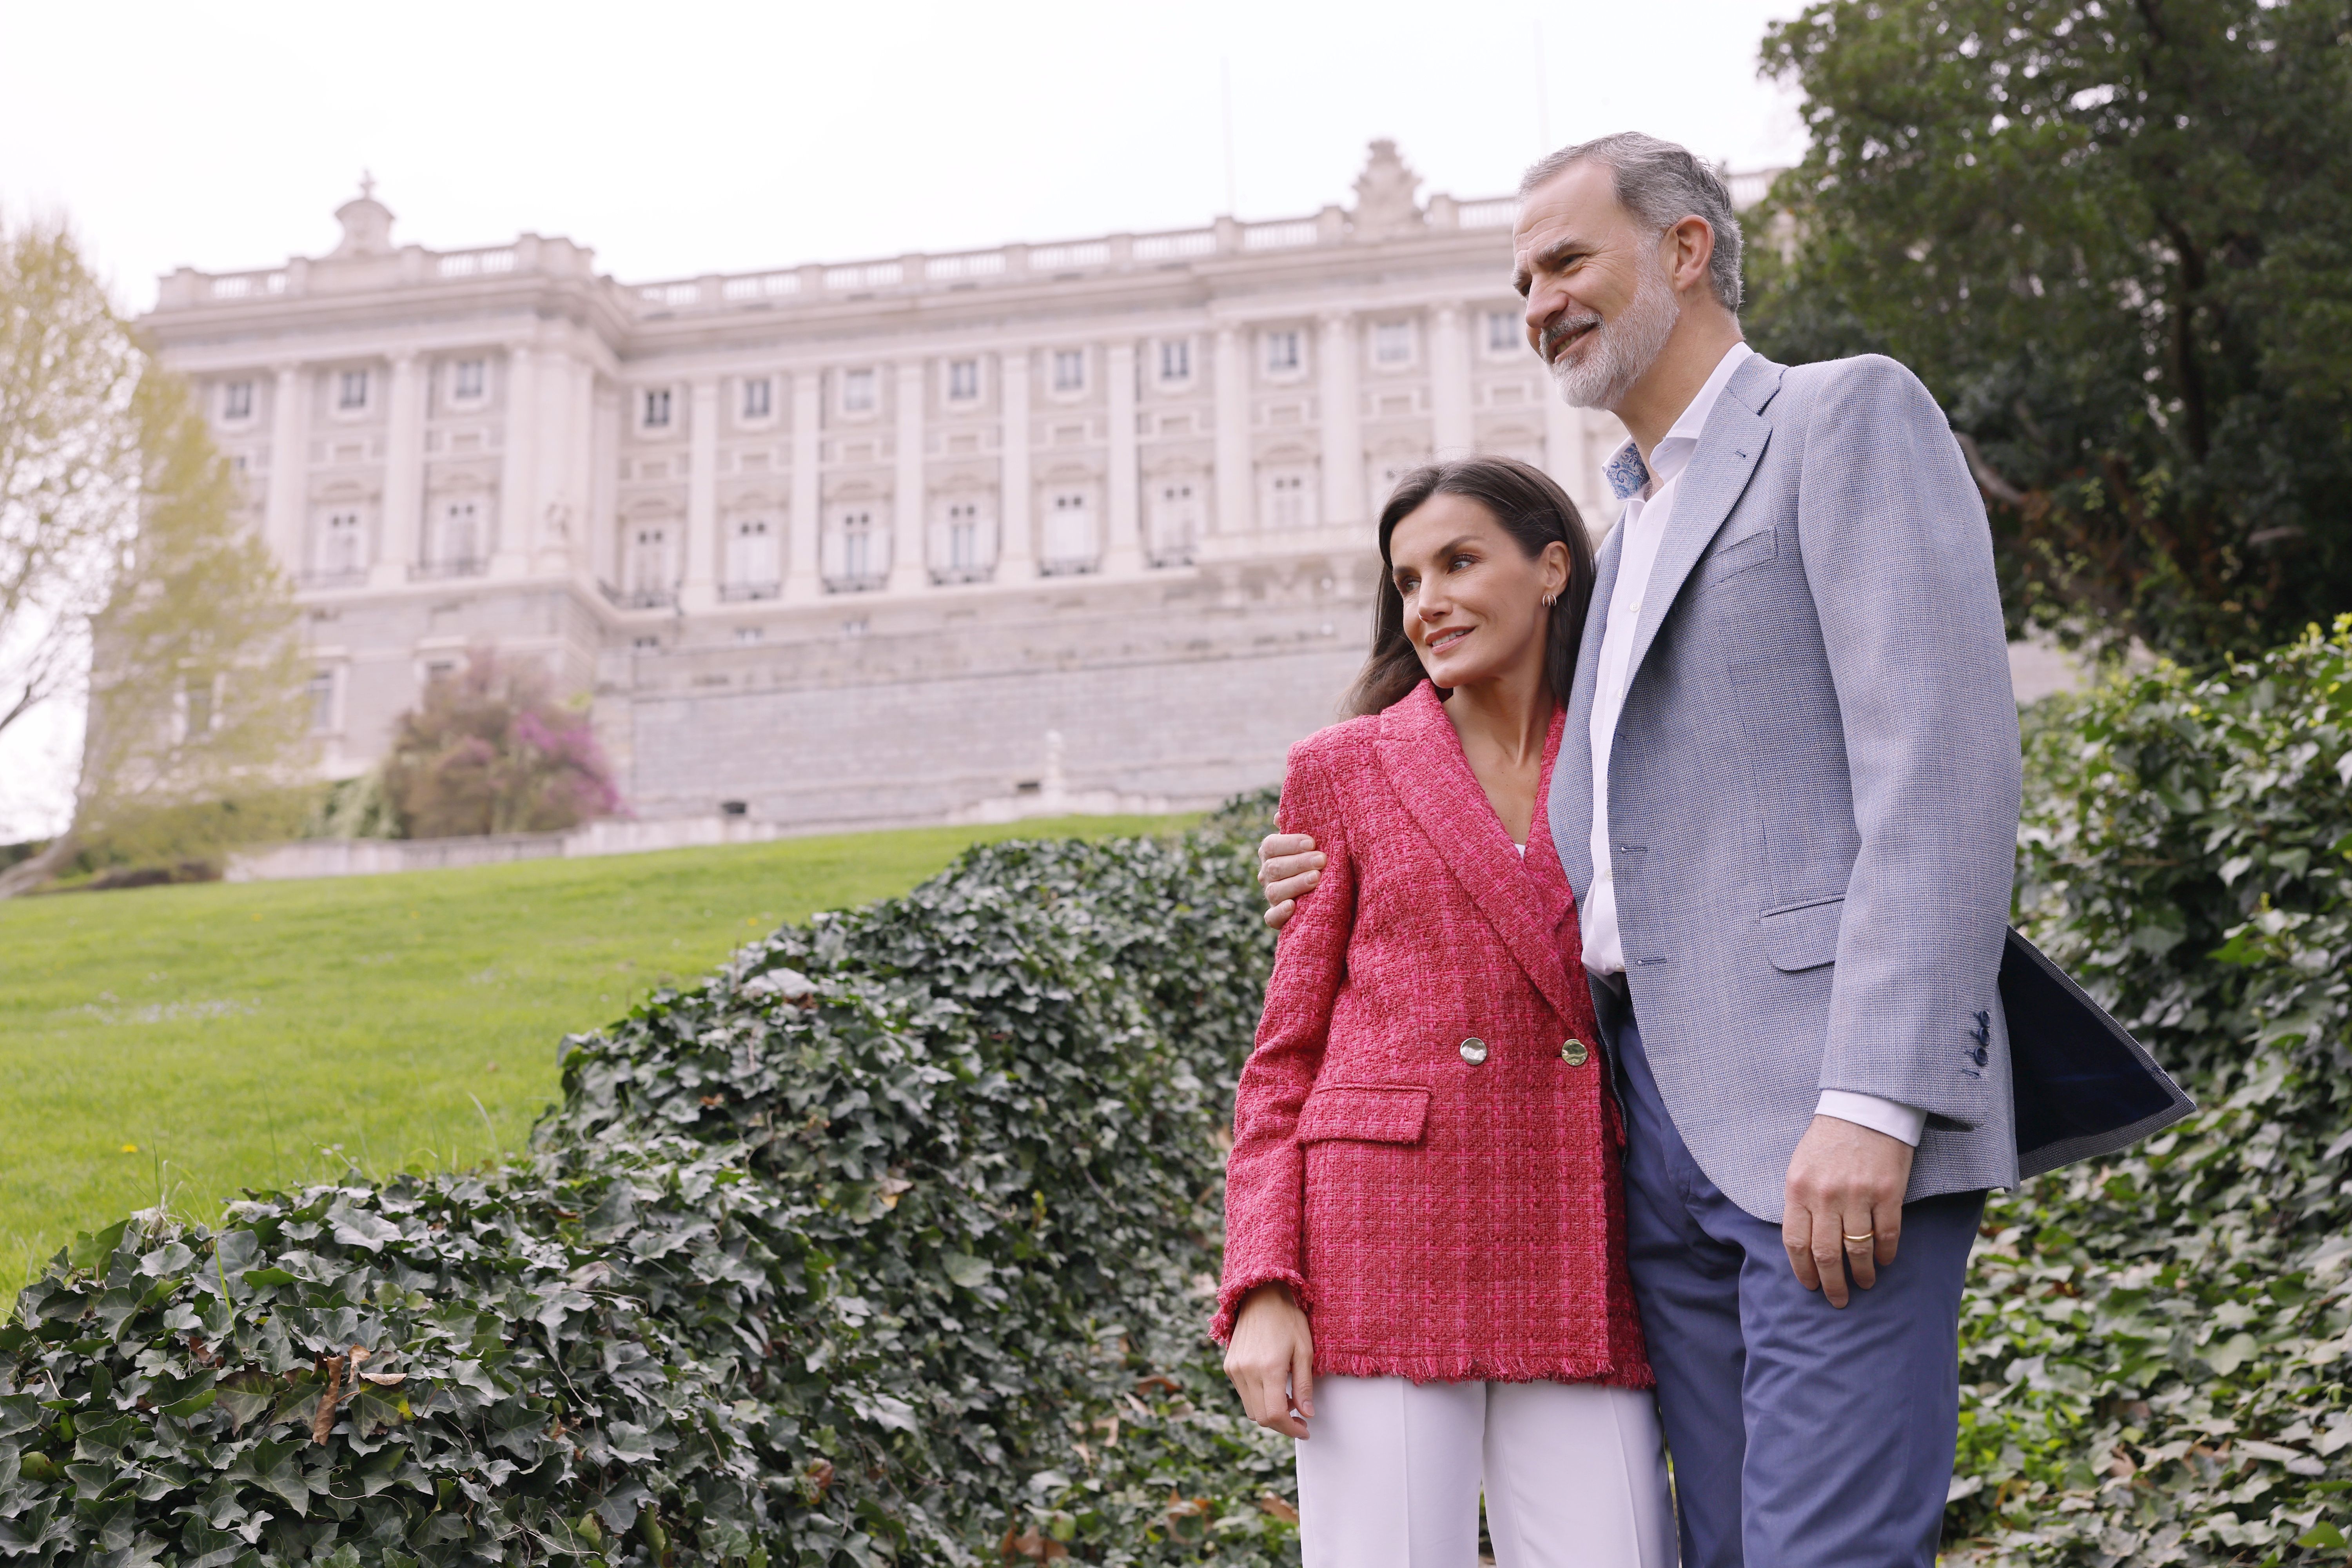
(1424, 1275)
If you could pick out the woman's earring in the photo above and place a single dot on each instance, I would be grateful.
(1549, 599)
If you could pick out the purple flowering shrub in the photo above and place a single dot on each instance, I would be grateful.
(491, 750)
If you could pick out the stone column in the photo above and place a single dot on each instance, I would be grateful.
(700, 588)
(289, 466)
(601, 537)
(1564, 445)
(404, 474)
(1449, 382)
(1236, 513)
(556, 522)
(803, 565)
(1122, 553)
(516, 473)
(909, 561)
(1343, 438)
(1016, 551)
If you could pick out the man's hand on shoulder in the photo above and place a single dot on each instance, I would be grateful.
(1288, 864)
(1845, 1206)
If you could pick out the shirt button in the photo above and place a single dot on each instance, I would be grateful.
(1474, 1050)
(1574, 1054)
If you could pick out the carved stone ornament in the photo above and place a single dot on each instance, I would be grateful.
(367, 223)
(1384, 195)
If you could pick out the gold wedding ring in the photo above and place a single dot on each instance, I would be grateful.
(1865, 1236)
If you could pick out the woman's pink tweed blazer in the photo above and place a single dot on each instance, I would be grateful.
(1439, 1219)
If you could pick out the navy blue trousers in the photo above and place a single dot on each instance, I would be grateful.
(1803, 1436)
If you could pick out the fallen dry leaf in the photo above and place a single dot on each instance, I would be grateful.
(1280, 1509)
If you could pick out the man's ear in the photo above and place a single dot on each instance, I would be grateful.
(1693, 242)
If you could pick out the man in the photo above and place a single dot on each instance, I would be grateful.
(1786, 800)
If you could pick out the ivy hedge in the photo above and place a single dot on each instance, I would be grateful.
(891, 1241)
(2154, 1351)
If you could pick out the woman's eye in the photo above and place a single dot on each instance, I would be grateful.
(1459, 561)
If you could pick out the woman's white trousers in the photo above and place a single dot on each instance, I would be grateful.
(1574, 1476)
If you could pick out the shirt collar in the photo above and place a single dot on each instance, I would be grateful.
(1628, 476)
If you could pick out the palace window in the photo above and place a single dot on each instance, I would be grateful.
(1176, 360)
(322, 701)
(859, 565)
(340, 548)
(197, 707)
(1503, 332)
(1070, 370)
(752, 567)
(1175, 523)
(355, 390)
(857, 391)
(236, 400)
(963, 536)
(468, 380)
(657, 408)
(1392, 342)
(1282, 352)
(649, 573)
(758, 398)
(963, 380)
(1069, 533)
(1289, 499)
(459, 548)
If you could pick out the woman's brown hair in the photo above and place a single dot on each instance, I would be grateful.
(1535, 511)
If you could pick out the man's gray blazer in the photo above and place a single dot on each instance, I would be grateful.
(1813, 789)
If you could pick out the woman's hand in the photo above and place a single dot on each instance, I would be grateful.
(1288, 865)
(1272, 1359)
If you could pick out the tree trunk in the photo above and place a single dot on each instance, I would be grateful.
(26, 875)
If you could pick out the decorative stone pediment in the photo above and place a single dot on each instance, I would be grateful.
(367, 223)
(1384, 195)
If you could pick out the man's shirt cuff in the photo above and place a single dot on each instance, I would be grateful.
(1902, 1122)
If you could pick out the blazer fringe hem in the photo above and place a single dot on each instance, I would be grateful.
(1481, 1369)
(1229, 1298)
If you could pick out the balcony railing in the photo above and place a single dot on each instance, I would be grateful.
(738, 592)
(435, 570)
(865, 583)
(335, 577)
(638, 598)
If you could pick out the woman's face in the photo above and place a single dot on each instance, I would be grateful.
(1472, 600)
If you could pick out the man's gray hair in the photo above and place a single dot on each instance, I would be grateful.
(1660, 185)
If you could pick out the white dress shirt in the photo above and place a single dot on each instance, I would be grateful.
(1649, 511)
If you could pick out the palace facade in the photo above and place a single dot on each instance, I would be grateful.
(1075, 525)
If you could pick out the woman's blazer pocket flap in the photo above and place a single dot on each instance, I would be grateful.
(1804, 936)
(1365, 1113)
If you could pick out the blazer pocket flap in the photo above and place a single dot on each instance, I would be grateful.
(1805, 937)
(1364, 1113)
(1736, 556)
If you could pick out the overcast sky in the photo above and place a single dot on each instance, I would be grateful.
(686, 138)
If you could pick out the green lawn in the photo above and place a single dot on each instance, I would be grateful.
(184, 1041)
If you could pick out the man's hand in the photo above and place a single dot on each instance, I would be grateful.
(1844, 1205)
(1272, 1359)
(1287, 864)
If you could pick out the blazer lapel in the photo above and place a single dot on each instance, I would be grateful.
(1569, 799)
(1728, 450)
(1424, 764)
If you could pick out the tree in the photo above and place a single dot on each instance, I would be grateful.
(197, 736)
(126, 580)
(69, 463)
(2114, 238)
(491, 751)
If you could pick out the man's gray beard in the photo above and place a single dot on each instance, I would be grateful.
(1620, 351)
